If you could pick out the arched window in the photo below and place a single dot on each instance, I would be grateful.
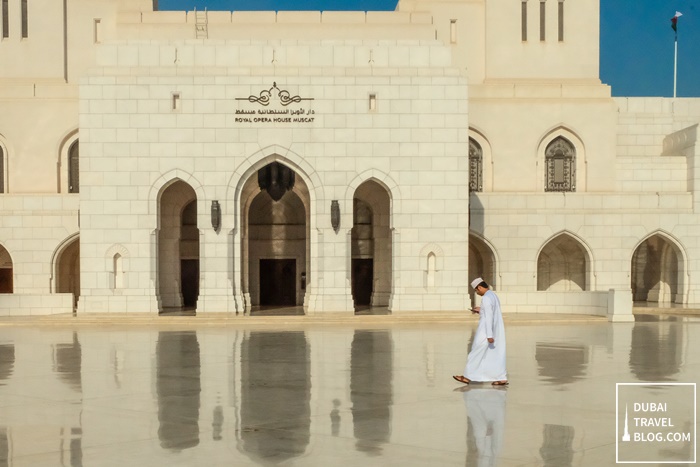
(475, 166)
(560, 165)
(118, 271)
(2, 170)
(74, 168)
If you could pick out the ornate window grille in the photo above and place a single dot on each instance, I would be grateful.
(560, 163)
(475, 166)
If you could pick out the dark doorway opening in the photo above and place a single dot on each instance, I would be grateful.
(362, 279)
(5, 280)
(189, 274)
(277, 282)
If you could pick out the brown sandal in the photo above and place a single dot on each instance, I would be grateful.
(499, 383)
(461, 379)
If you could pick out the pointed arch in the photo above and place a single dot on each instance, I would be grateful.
(659, 268)
(432, 261)
(258, 160)
(579, 149)
(65, 267)
(66, 142)
(371, 243)
(6, 271)
(4, 161)
(483, 262)
(159, 186)
(117, 259)
(177, 243)
(241, 192)
(564, 263)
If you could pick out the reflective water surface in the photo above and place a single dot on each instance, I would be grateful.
(326, 394)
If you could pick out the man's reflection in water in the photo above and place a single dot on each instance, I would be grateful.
(335, 418)
(178, 387)
(486, 410)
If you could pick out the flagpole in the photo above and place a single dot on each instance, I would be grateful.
(675, 64)
(674, 25)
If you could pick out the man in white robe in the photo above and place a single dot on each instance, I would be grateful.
(487, 359)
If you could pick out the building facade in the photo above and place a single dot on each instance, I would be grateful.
(224, 161)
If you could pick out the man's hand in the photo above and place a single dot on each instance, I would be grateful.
(476, 309)
(490, 339)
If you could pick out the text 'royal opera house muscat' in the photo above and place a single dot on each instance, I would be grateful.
(217, 161)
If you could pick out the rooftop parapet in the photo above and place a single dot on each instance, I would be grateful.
(281, 17)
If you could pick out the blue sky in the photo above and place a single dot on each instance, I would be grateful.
(636, 39)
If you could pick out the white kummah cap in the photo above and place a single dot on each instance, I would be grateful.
(476, 282)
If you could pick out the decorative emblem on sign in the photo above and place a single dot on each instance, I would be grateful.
(266, 95)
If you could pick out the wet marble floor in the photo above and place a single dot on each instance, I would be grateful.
(343, 395)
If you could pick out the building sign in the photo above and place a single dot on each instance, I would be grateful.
(280, 107)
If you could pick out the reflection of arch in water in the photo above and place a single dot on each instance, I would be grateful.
(178, 386)
(7, 362)
(658, 270)
(564, 264)
(557, 445)
(275, 396)
(656, 351)
(68, 363)
(371, 374)
(561, 363)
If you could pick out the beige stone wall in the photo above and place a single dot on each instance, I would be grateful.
(106, 73)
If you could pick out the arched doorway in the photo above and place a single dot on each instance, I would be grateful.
(275, 240)
(482, 263)
(371, 246)
(178, 248)
(6, 271)
(563, 265)
(657, 270)
(68, 269)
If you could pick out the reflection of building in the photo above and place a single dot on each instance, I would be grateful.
(334, 159)
(178, 388)
(371, 374)
(67, 363)
(44, 367)
(557, 449)
(7, 361)
(656, 352)
(561, 363)
(275, 412)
